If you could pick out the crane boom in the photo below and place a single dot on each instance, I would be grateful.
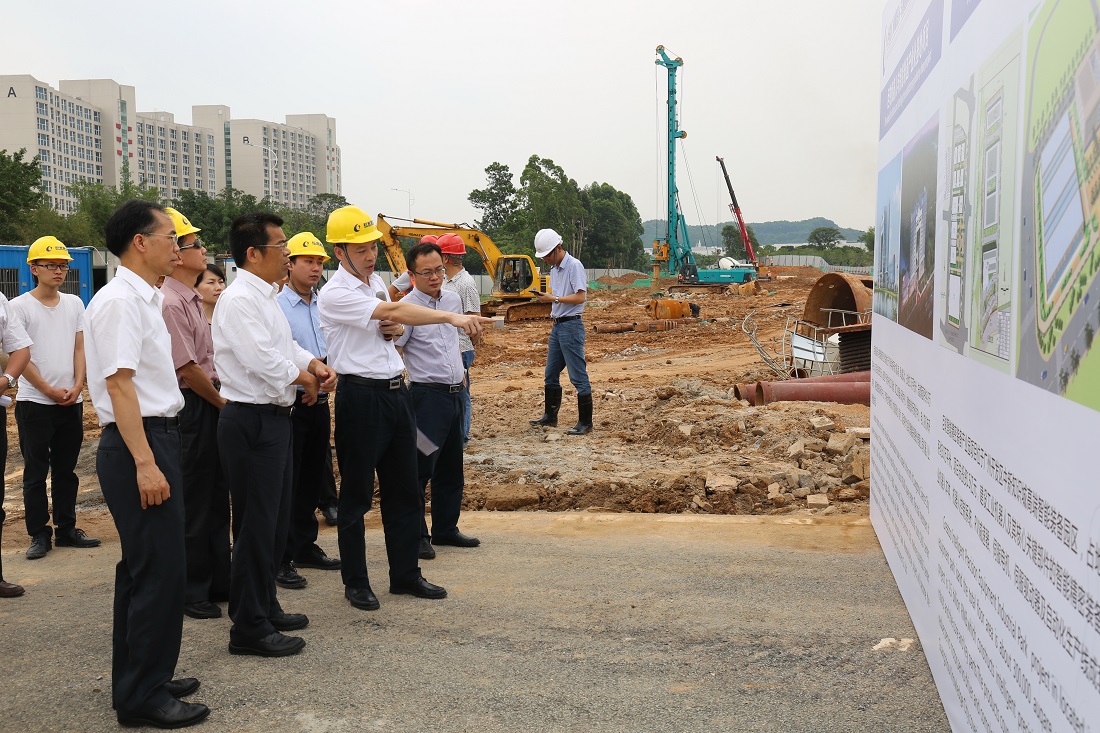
(735, 209)
(676, 247)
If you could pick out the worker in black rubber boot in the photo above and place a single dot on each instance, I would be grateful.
(568, 287)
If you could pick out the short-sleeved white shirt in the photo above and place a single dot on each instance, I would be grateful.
(13, 335)
(54, 331)
(123, 329)
(355, 342)
(463, 284)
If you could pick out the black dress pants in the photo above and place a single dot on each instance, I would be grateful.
(206, 502)
(439, 416)
(149, 579)
(49, 439)
(3, 471)
(312, 428)
(256, 459)
(375, 432)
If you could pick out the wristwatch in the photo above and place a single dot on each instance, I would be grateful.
(10, 378)
(557, 299)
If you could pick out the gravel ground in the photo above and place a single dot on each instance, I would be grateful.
(559, 622)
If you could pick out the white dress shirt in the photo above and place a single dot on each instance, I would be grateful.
(254, 352)
(123, 329)
(355, 342)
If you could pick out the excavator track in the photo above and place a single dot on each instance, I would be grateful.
(533, 311)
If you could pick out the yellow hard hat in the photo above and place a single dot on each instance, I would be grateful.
(351, 225)
(306, 244)
(183, 226)
(47, 248)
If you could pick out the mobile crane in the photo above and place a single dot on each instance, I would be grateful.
(516, 279)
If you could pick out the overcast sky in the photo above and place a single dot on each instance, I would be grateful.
(427, 94)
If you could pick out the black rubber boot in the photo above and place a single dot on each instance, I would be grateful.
(584, 424)
(549, 417)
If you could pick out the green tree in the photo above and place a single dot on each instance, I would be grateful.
(19, 193)
(613, 228)
(548, 199)
(496, 202)
(827, 237)
(735, 245)
(215, 214)
(868, 239)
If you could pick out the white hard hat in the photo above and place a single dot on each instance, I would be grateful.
(545, 242)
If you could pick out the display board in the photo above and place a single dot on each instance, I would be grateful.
(986, 386)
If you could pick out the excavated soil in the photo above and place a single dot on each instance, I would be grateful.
(669, 435)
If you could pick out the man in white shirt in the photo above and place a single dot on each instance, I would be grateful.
(133, 387)
(49, 409)
(260, 365)
(375, 428)
(17, 344)
(459, 281)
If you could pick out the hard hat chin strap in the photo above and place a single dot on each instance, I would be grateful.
(347, 259)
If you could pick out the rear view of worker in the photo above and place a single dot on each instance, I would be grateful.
(565, 348)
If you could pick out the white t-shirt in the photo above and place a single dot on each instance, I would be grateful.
(54, 333)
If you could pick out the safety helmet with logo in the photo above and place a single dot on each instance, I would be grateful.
(306, 243)
(545, 242)
(351, 225)
(451, 244)
(47, 248)
(183, 225)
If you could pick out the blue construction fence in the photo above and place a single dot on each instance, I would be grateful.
(16, 278)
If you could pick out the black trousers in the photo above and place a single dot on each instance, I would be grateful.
(206, 501)
(256, 459)
(375, 432)
(327, 496)
(439, 416)
(149, 579)
(312, 429)
(49, 439)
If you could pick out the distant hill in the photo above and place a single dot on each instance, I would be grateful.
(768, 232)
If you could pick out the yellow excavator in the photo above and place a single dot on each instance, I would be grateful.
(516, 278)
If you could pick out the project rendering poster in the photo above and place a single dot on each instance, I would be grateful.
(986, 386)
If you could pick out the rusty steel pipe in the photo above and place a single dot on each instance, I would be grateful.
(613, 327)
(844, 393)
(864, 376)
(746, 392)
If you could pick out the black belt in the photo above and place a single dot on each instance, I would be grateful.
(270, 409)
(563, 319)
(392, 383)
(452, 388)
(321, 397)
(161, 423)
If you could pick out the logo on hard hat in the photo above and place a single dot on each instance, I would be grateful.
(49, 248)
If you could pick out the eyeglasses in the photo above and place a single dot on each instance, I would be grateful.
(437, 272)
(193, 245)
(172, 236)
(52, 266)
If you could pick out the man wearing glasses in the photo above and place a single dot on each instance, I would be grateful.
(260, 366)
(205, 495)
(48, 406)
(134, 389)
(436, 385)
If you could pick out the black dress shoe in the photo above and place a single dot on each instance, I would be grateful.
(202, 609)
(457, 539)
(427, 552)
(274, 644)
(75, 538)
(40, 545)
(330, 515)
(288, 577)
(10, 590)
(316, 558)
(182, 687)
(419, 588)
(289, 621)
(362, 598)
(172, 714)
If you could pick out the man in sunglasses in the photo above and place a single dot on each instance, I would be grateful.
(205, 495)
(436, 389)
(48, 406)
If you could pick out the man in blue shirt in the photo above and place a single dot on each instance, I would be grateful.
(568, 285)
(311, 423)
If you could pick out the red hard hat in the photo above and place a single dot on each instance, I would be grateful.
(429, 239)
(451, 244)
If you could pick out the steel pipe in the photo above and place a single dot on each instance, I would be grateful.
(844, 393)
